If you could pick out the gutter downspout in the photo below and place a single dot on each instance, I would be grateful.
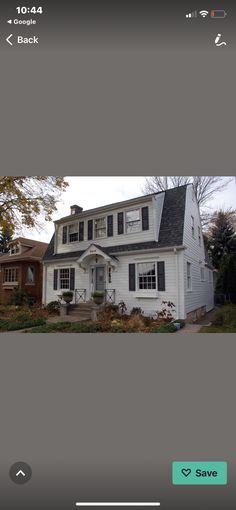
(44, 283)
(177, 281)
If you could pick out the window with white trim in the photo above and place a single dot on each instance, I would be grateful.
(189, 276)
(100, 227)
(64, 278)
(30, 274)
(147, 275)
(199, 237)
(133, 221)
(73, 232)
(192, 226)
(11, 275)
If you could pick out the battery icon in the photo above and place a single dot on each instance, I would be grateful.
(218, 14)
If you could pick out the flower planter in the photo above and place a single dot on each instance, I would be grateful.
(98, 298)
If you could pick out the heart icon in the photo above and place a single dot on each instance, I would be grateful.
(186, 472)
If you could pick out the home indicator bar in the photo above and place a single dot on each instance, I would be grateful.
(121, 504)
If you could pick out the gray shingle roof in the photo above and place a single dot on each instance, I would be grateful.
(171, 229)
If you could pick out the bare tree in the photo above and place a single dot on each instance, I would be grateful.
(205, 187)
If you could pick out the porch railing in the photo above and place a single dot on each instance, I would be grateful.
(110, 295)
(80, 296)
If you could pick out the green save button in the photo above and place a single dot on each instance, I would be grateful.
(199, 473)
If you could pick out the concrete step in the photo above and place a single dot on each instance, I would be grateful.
(80, 313)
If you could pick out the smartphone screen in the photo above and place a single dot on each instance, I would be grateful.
(117, 268)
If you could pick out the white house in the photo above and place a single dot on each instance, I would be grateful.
(140, 251)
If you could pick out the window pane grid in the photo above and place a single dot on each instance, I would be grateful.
(133, 222)
(100, 227)
(64, 278)
(11, 275)
(73, 232)
(147, 276)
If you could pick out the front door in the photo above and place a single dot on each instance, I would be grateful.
(100, 278)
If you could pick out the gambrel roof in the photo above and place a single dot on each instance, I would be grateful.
(170, 234)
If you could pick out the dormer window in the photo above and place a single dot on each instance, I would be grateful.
(73, 232)
(133, 221)
(14, 249)
(100, 228)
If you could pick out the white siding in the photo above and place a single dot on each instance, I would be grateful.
(120, 281)
(141, 236)
(201, 293)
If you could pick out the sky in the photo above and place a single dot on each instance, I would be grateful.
(90, 192)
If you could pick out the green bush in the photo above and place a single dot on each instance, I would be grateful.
(53, 307)
(226, 281)
(225, 316)
(21, 298)
(165, 328)
(136, 310)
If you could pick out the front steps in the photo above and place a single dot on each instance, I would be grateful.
(83, 311)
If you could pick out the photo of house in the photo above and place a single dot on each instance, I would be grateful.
(141, 251)
(21, 269)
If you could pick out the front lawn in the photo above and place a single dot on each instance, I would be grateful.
(13, 318)
(224, 321)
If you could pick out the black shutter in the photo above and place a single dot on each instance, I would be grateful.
(120, 222)
(110, 226)
(131, 276)
(64, 235)
(90, 230)
(145, 218)
(81, 231)
(55, 279)
(161, 276)
(72, 278)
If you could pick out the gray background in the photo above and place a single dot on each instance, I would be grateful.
(103, 417)
(119, 87)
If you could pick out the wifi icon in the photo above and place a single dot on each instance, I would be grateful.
(204, 13)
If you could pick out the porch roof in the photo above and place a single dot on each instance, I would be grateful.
(95, 249)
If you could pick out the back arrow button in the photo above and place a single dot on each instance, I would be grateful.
(8, 39)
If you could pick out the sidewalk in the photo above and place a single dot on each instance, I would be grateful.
(204, 321)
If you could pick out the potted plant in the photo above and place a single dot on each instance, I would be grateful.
(98, 297)
(67, 296)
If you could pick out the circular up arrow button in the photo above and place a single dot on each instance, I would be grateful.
(20, 473)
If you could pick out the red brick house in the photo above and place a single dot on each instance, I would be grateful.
(21, 268)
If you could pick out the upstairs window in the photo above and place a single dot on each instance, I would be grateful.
(11, 275)
(100, 228)
(73, 232)
(192, 227)
(133, 221)
(14, 249)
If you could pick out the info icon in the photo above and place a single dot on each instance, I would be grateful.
(20, 473)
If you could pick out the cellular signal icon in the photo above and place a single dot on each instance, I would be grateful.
(204, 14)
(192, 14)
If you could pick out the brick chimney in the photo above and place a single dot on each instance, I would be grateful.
(76, 209)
